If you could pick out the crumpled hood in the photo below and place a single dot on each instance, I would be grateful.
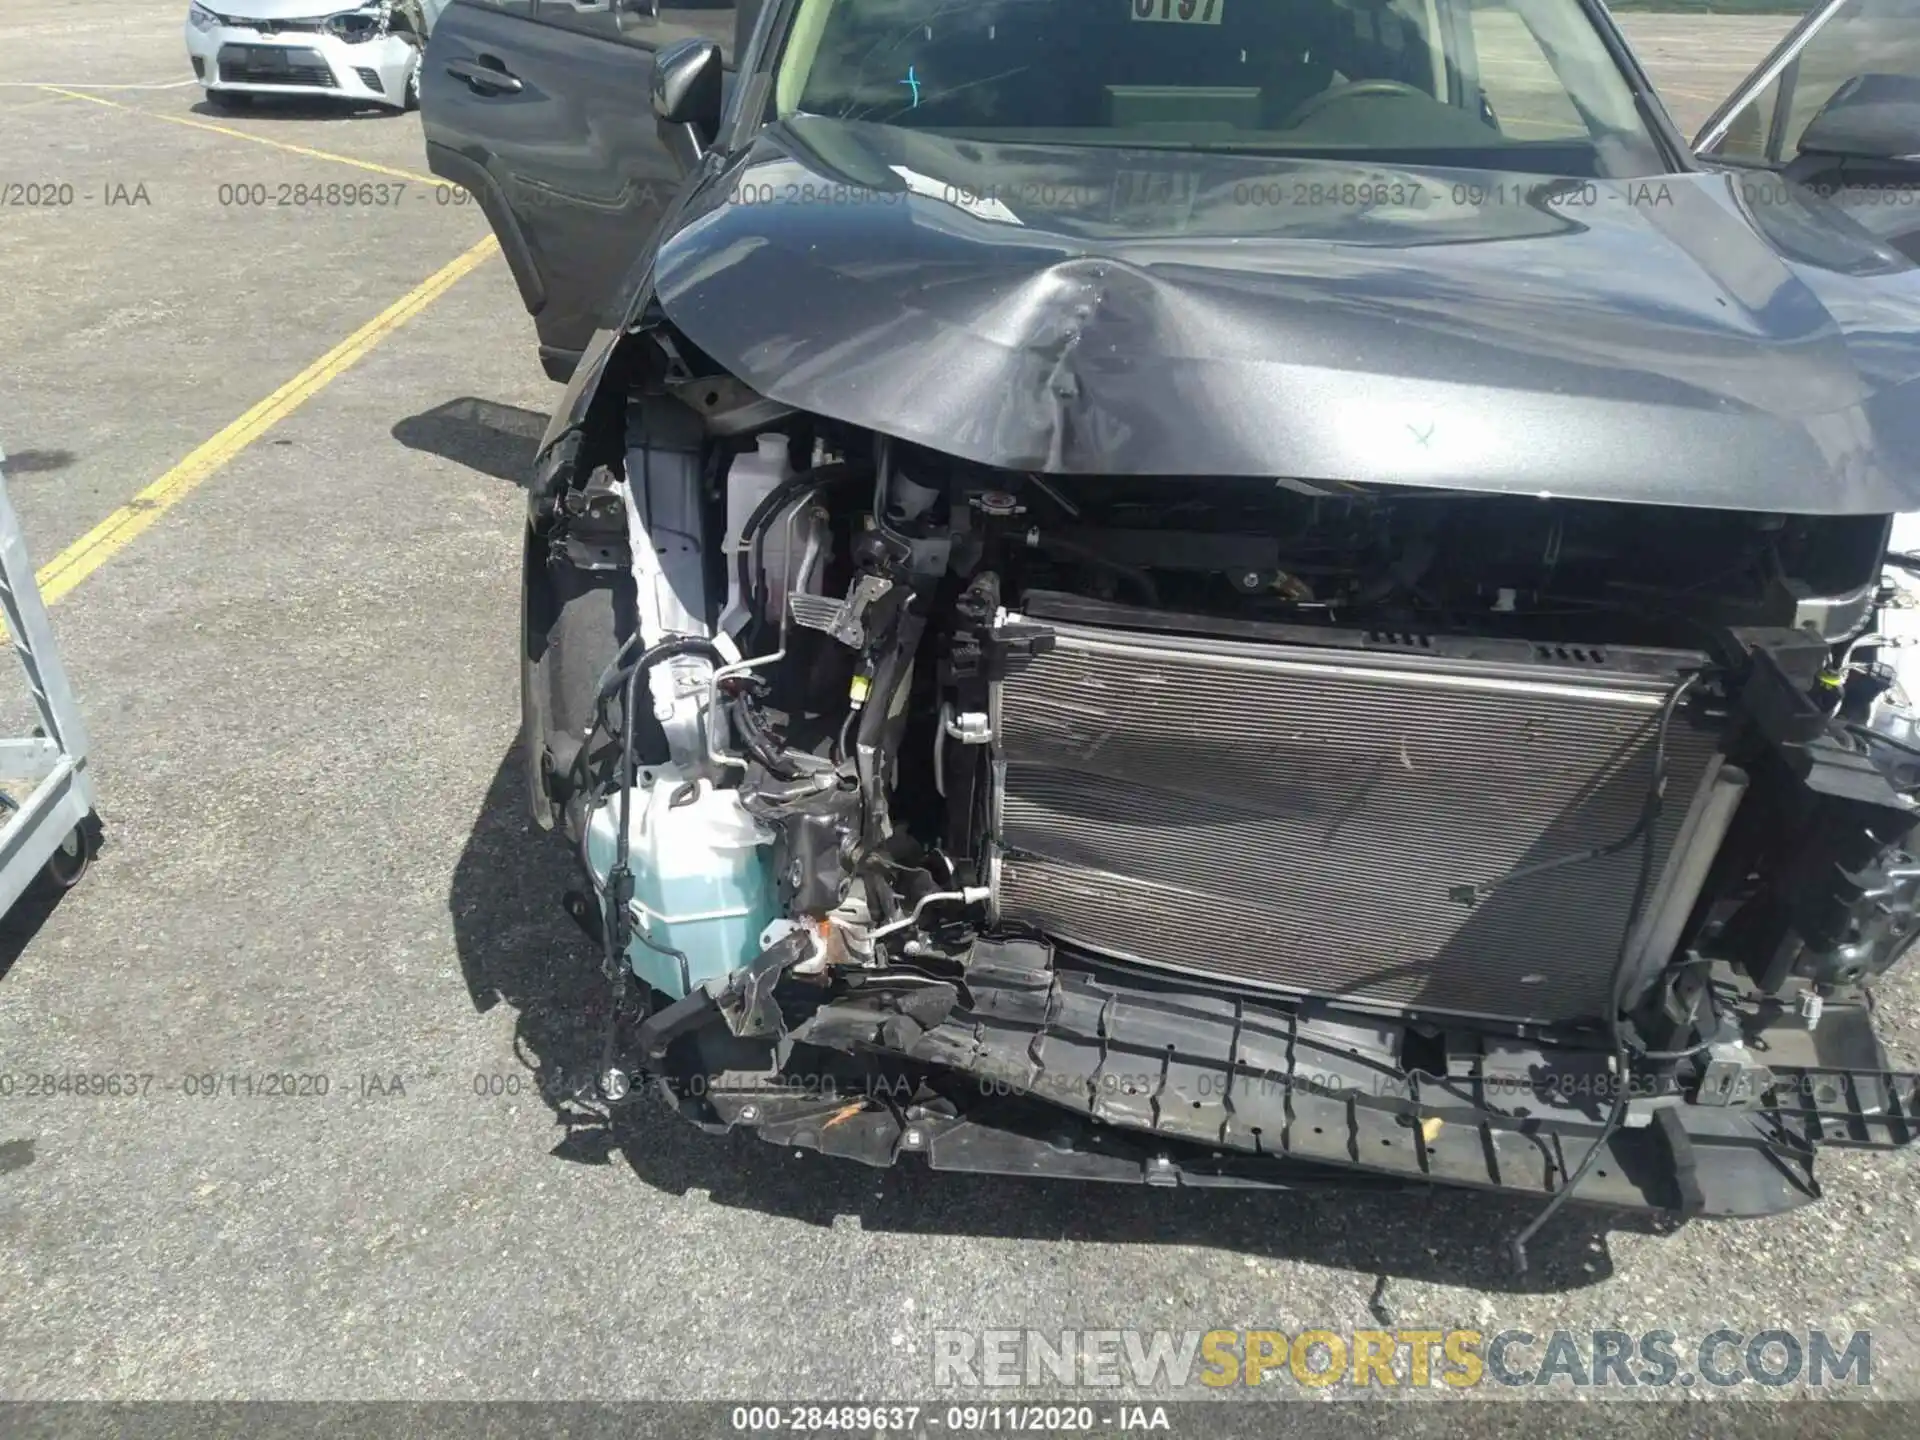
(1087, 310)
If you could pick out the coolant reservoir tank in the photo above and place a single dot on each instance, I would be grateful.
(702, 880)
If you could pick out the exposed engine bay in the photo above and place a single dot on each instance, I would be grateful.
(1196, 830)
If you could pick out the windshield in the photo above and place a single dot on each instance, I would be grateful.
(1517, 85)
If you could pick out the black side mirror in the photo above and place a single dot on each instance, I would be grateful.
(1871, 117)
(687, 78)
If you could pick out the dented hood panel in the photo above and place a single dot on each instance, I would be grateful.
(1687, 339)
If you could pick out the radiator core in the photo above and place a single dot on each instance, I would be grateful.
(1313, 819)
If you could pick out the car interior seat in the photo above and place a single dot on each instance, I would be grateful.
(1008, 64)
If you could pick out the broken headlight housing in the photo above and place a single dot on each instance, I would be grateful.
(201, 18)
(369, 22)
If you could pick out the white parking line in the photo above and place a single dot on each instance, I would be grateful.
(292, 149)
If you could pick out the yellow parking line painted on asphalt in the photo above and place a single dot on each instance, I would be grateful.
(113, 534)
(308, 151)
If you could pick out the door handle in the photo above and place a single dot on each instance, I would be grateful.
(491, 79)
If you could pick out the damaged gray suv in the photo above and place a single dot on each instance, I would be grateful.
(1220, 592)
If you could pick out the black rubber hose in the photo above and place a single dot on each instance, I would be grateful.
(769, 506)
(667, 649)
(618, 873)
(757, 742)
(616, 919)
(609, 677)
(609, 682)
(1149, 593)
(1866, 732)
(670, 648)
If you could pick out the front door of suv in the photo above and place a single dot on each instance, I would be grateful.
(540, 109)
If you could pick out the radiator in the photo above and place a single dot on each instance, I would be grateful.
(1322, 819)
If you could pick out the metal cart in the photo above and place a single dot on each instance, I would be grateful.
(48, 828)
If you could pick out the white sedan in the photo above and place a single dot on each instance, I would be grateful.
(368, 53)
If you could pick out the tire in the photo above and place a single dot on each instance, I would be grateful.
(71, 861)
(229, 100)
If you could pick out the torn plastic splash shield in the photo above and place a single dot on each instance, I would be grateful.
(1083, 1074)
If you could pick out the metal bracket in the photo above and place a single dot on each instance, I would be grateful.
(844, 620)
(1732, 1077)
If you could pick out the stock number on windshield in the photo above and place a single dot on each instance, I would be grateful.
(1180, 12)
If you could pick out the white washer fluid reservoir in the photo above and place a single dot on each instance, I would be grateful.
(702, 880)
